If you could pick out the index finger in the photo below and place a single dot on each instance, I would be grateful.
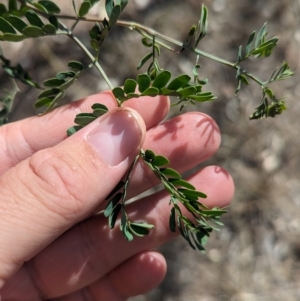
(21, 139)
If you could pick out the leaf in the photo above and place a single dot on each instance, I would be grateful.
(114, 16)
(144, 60)
(144, 82)
(33, 31)
(51, 7)
(72, 130)
(3, 9)
(130, 86)
(49, 29)
(40, 7)
(118, 186)
(17, 23)
(12, 5)
(140, 229)
(162, 79)
(34, 19)
(109, 5)
(182, 183)
(84, 119)
(151, 91)
(54, 82)
(186, 92)
(203, 97)
(118, 93)
(75, 65)
(160, 161)
(113, 217)
(249, 43)
(44, 102)
(13, 37)
(67, 74)
(170, 172)
(112, 204)
(178, 82)
(192, 193)
(84, 8)
(6, 27)
(172, 220)
(149, 154)
(49, 93)
(99, 109)
(202, 25)
(54, 21)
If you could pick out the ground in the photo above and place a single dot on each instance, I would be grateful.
(256, 256)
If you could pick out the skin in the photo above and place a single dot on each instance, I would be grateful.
(53, 245)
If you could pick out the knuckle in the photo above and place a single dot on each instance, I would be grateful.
(59, 182)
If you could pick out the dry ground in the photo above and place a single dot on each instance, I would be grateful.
(256, 256)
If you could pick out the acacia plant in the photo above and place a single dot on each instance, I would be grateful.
(27, 19)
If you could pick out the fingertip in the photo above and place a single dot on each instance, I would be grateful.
(139, 274)
(216, 183)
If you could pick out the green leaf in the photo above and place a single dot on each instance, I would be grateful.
(6, 27)
(49, 93)
(72, 130)
(3, 9)
(179, 82)
(67, 74)
(109, 5)
(34, 19)
(151, 91)
(40, 7)
(112, 204)
(162, 79)
(33, 31)
(249, 43)
(75, 65)
(171, 173)
(113, 217)
(43, 102)
(202, 25)
(186, 92)
(140, 229)
(203, 97)
(54, 82)
(216, 212)
(84, 8)
(149, 154)
(192, 193)
(53, 104)
(114, 16)
(118, 187)
(84, 119)
(172, 220)
(17, 23)
(160, 161)
(130, 86)
(12, 5)
(144, 60)
(54, 21)
(99, 109)
(182, 183)
(144, 82)
(51, 7)
(49, 29)
(118, 93)
(13, 37)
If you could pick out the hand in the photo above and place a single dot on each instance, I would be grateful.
(53, 245)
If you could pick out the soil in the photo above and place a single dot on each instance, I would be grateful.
(256, 255)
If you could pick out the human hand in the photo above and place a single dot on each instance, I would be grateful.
(53, 246)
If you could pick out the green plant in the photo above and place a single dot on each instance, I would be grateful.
(24, 19)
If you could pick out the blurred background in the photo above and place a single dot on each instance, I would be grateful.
(256, 256)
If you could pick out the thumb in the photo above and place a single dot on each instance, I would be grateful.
(46, 194)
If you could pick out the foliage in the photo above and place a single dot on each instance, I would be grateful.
(25, 19)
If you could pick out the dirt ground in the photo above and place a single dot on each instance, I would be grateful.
(256, 255)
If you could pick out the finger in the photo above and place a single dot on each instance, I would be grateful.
(19, 140)
(54, 189)
(91, 250)
(186, 140)
(136, 276)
